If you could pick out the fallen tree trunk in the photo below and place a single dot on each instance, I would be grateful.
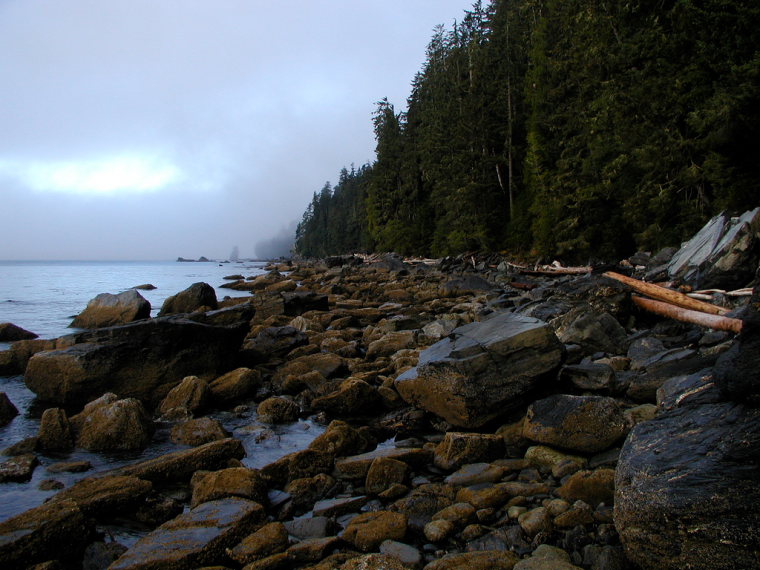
(716, 322)
(557, 271)
(667, 295)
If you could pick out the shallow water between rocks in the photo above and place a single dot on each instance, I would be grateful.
(263, 444)
(43, 296)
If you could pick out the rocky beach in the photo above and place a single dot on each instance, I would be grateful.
(469, 412)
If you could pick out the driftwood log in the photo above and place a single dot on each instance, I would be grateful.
(712, 321)
(667, 295)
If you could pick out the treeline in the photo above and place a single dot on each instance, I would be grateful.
(578, 128)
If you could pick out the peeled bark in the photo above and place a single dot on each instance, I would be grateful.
(688, 316)
(668, 295)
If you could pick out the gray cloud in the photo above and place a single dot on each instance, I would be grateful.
(255, 104)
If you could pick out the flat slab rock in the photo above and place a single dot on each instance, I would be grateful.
(195, 538)
(482, 368)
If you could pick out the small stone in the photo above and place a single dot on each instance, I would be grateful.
(407, 554)
(479, 560)
(23, 447)
(515, 511)
(50, 485)
(547, 557)
(7, 410)
(191, 394)
(579, 514)
(197, 432)
(306, 491)
(556, 506)
(371, 561)
(232, 482)
(473, 531)
(234, 385)
(474, 473)
(279, 561)
(438, 530)
(312, 549)
(55, 431)
(592, 487)
(458, 449)
(309, 527)
(278, 410)
(485, 516)
(383, 473)
(395, 491)
(459, 513)
(367, 531)
(339, 506)
(269, 539)
(548, 459)
(69, 467)
(640, 413)
(535, 521)
(18, 469)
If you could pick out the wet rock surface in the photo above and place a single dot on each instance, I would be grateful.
(468, 418)
(481, 369)
(107, 310)
(104, 360)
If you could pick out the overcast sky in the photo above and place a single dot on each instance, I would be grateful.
(152, 129)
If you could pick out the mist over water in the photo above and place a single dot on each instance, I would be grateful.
(43, 296)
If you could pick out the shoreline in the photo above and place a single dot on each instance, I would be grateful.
(342, 343)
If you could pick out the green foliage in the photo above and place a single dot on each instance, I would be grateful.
(578, 128)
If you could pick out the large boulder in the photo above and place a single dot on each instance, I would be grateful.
(588, 424)
(105, 360)
(482, 369)
(107, 310)
(723, 254)
(687, 487)
(10, 332)
(197, 296)
(196, 538)
(111, 424)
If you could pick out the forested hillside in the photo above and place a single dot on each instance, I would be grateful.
(576, 128)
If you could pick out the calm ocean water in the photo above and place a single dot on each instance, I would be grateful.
(44, 296)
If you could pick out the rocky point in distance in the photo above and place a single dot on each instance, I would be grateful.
(540, 419)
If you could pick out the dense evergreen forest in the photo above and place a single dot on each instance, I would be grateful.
(572, 128)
